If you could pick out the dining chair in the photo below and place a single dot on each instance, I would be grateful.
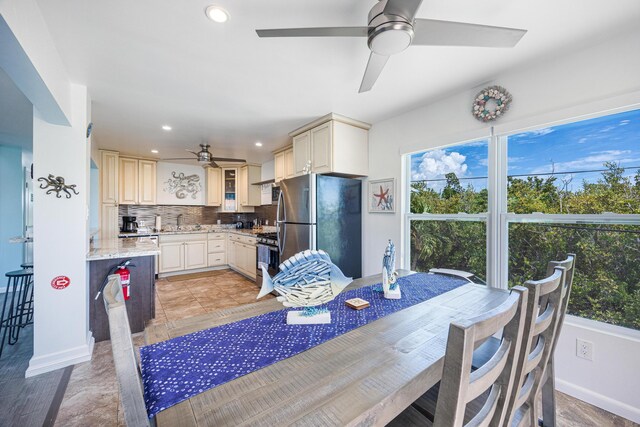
(484, 352)
(127, 371)
(488, 388)
(549, 382)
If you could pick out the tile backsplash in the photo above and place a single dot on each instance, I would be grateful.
(192, 215)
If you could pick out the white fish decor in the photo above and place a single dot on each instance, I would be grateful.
(307, 279)
(390, 285)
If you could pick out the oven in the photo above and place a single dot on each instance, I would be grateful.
(267, 254)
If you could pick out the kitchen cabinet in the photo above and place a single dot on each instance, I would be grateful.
(147, 176)
(137, 181)
(284, 164)
(183, 252)
(332, 144)
(241, 254)
(171, 257)
(216, 248)
(214, 187)
(128, 181)
(109, 177)
(195, 255)
(248, 194)
(108, 194)
(238, 193)
(109, 227)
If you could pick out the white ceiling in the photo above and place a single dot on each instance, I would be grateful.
(16, 115)
(153, 62)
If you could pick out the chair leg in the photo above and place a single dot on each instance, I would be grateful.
(549, 398)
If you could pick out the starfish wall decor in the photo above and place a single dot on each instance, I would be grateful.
(382, 195)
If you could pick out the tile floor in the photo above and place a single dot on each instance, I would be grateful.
(92, 397)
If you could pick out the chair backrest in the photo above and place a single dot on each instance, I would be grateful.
(542, 315)
(460, 386)
(129, 378)
(569, 265)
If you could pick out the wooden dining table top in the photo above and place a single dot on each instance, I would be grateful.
(365, 377)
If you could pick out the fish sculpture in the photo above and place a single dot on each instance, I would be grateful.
(306, 279)
(390, 285)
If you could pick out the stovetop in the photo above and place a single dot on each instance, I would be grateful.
(268, 238)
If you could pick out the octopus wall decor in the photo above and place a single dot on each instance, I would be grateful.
(183, 185)
(57, 185)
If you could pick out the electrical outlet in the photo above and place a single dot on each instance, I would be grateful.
(584, 349)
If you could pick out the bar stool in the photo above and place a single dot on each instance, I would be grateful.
(26, 265)
(17, 309)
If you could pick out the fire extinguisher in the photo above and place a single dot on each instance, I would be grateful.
(125, 280)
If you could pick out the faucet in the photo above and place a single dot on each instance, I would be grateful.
(179, 221)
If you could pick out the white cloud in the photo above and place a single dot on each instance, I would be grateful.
(540, 132)
(582, 140)
(593, 161)
(436, 164)
(624, 122)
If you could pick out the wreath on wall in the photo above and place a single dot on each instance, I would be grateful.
(491, 103)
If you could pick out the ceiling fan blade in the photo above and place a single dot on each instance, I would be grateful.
(315, 32)
(179, 158)
(404, 8)
(374, 68)
(214, 165)
(431, 32)
(225, 159)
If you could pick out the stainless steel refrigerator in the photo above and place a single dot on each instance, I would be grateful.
(322, 212)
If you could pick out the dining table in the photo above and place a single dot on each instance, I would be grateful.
(364, 377)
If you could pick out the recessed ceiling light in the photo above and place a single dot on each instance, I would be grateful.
(154, 151)
(166, 127)
(217, 14)
(258, 144)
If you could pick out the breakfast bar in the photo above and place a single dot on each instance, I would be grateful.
(103, 257)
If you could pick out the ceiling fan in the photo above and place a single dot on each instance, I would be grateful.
(393, 28)
(205, 158)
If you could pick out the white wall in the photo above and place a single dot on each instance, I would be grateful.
(61, 329)
(10, 209)
(591, 80)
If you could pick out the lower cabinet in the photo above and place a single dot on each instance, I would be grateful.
(183, 252)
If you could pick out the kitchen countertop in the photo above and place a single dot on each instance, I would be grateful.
(243, 231)
(122, 248)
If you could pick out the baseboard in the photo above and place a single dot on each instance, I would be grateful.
(196, 270)
(50, 362)
(614, 406)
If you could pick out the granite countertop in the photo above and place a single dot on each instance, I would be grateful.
(206, 229)
(122, 248)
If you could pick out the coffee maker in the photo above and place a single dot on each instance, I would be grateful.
(129, 224)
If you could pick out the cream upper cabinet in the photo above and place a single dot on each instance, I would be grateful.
(108, 176)
(214, 187)
(279, 166)
(146, 182)
(137, 181)
(284, 164)
(332, 144)
(289, 171)
(321, 148)
(249, 194)
(301, 152)
(229, 189)
(128, 181)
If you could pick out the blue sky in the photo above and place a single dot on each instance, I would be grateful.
(584, 145)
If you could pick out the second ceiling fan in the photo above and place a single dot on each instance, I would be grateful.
(393, 28)
(205, 158)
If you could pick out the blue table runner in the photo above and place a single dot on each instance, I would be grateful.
(182, 367)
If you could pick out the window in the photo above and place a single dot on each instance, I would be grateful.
(448, 205)
(574, 187)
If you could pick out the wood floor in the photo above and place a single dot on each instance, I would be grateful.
(92, 397)
(28, 401)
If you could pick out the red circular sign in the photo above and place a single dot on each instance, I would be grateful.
(60, 282)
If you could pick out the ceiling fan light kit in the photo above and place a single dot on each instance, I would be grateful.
(393, 27)
(206, 159)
